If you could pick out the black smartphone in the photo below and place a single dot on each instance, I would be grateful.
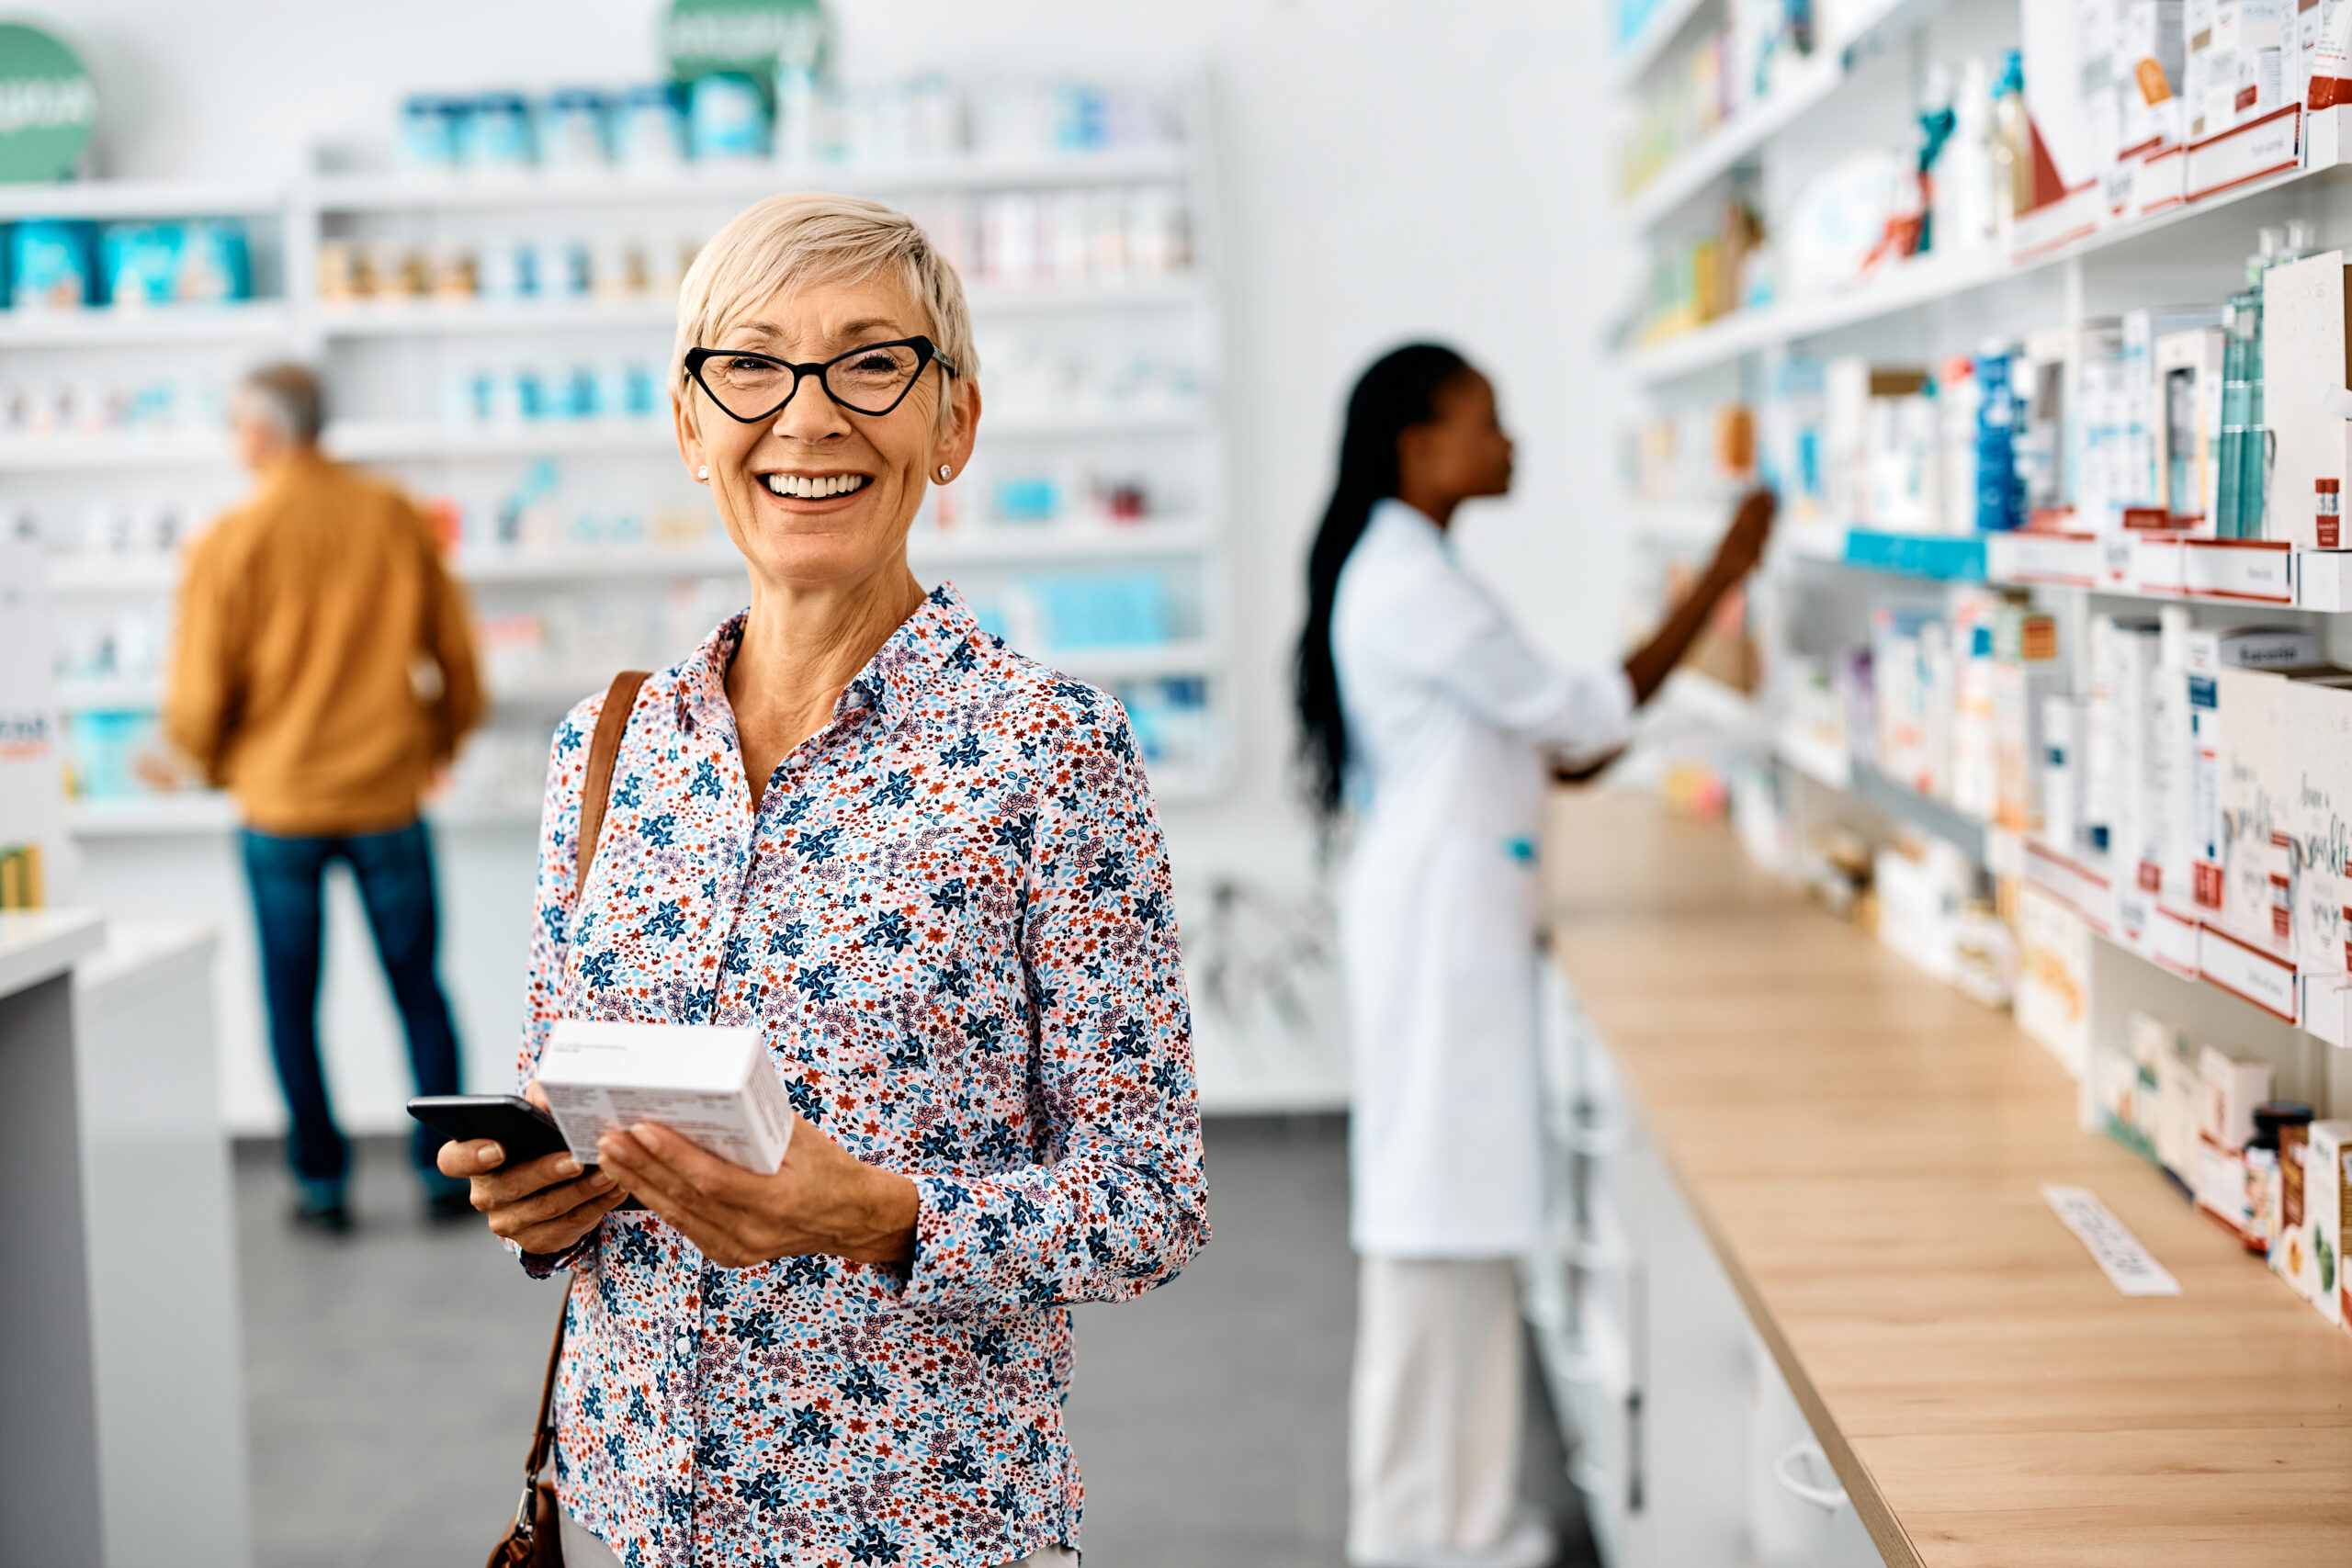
(523, 1129)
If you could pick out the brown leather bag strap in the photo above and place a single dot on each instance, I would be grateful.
(603, 751)
(543, 1435)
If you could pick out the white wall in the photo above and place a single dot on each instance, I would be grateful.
(1390, 171)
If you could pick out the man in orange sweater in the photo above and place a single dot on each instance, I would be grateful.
(325, 669)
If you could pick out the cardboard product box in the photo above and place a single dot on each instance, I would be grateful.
(2290, 1252)
(2229, 1088)
(2305, 373)
(2131, 1087)
(2189, 366)
(2327, 1186)
(2240, 64)
(2137, 842)
(2318, 746)
(2060, 774)
(715, 1086)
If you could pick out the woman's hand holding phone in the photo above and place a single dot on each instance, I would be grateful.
(542, 1205)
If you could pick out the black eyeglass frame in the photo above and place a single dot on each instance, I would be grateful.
(697, 357)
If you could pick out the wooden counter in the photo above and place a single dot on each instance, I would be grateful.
(1865, 1148)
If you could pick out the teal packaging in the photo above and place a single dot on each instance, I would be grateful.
(52, 264)
(728, 117)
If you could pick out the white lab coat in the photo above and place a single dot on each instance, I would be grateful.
(1452, 720)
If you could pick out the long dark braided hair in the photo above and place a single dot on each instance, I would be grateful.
(1396, 393)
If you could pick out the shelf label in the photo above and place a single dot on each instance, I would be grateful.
(2127, 1263)
(2265, 146)
(2246, 973)
(2066, 560)
(2258, 571)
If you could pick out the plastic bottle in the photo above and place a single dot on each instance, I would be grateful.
(2243, 456)
(2012, 147)
(1962, 216)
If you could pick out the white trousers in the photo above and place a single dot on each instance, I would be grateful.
(582, 1549)
(1434, 1413)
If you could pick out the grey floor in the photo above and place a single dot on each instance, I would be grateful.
(392, 1374)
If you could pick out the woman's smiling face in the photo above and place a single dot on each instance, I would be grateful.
(817, 494)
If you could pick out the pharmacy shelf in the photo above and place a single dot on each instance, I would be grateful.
(1830, 766)
(140, 199)
(1802, 90)
(2316, 581)
(1637, 55)
(1885, 794)
(109, 693)
(1197, 658)
(258, 321)
(1911, 285)
(78, 454)
(430, 317)
(209, 811)
(100, 576)
(706, 184)
(1013, 545)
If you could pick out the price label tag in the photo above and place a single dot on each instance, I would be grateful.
(2116, 1250)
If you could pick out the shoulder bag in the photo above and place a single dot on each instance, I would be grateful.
(534, 1538)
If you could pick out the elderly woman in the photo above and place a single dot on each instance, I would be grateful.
(928, 871)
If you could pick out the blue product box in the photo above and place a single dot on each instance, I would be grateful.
(1035, 499)
(572, 129)
(497, 132)
(1103, 610)
(431, 131)
(649, 128)
(138, 263)
(728, 116)
(52, 264)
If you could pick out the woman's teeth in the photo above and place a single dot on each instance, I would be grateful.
(805, 487)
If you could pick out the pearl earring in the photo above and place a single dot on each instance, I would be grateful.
(943, 472)
(703, 473)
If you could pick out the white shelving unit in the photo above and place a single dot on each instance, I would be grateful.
(382, 358)
(1822, 578)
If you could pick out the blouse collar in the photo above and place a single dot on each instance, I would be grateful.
(940, 634)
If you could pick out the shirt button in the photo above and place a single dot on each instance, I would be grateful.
(685, 1346)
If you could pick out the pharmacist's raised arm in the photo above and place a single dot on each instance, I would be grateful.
(1736, 555)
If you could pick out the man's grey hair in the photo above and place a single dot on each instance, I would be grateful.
(286, 395)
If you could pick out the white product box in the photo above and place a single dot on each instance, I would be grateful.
(2188, 433)
(2318, 755)
(2060, 771)
(2229, 1088)
(2176, 1080)
(2304, 376)
(715, 1087)
(2327, 1183)
(2254, 799)
(2053, 978)
(2208, 648)
(2025, 671)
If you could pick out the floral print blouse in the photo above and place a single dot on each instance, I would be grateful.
(950, 918)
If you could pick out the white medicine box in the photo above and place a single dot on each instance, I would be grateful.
(715, 1086)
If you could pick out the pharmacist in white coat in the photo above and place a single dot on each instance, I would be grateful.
(1426, 715)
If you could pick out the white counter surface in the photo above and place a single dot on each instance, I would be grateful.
(36, 944)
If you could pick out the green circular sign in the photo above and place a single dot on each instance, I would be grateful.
(753, 37)
(49, 106)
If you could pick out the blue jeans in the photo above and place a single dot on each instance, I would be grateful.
(394, 871)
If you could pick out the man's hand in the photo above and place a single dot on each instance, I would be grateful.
(822, 1199)
(543, 1205)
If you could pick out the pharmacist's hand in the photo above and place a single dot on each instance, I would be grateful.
(543, 1205)
(1743, 543)
(821, 1199)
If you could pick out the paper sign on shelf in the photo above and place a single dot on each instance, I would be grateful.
(2127, 1265)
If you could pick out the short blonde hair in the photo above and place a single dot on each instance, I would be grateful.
(817, 237)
